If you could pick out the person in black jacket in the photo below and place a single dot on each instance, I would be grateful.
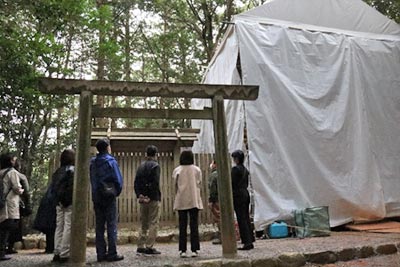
(241, 200)
(147, 189)
(63, 196)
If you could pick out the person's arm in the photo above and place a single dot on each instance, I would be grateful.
(26, 195)
(137, 185)
(213, 188)
(235, 175)
(117, 176)
(157, 171)
(16, 186)
(199, 177)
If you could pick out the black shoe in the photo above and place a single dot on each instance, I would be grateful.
(62, 260)
(141, 250)
(56, 258)
(247, 247)
(5, 258)
(152, 251)
(101, 258)
(11, 251)
(115, 258)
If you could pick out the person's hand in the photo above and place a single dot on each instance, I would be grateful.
(143, 199)
(20, 191)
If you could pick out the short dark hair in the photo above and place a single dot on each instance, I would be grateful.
(151, 150)
(239, 155)
(67, 157)
(186, 158)
(102, 145)
(5, 160)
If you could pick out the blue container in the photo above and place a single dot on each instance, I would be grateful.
(278, 230)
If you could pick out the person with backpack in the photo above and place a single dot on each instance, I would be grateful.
(10, 191)
(106, 181)
(147, 190)
(63, 196)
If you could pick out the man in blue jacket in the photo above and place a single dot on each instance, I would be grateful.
(105, 175)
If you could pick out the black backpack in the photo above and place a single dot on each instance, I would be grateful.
(2, 195)
(64, 187)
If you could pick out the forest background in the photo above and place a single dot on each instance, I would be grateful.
(132, 40)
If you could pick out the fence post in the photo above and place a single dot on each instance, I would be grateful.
(228, 236)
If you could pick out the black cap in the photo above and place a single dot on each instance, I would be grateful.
(102, 144)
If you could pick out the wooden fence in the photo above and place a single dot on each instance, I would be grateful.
(128, 208)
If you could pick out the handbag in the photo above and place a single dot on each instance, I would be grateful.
(24, 210)
(107, 190)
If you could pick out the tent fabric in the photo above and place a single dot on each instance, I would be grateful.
(349, 15)
(324, 130)
(222, 72)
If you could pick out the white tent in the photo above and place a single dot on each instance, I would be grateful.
(325, 129)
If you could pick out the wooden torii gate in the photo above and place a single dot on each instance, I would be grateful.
(86, 89)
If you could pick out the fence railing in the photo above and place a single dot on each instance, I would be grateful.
(128, 208)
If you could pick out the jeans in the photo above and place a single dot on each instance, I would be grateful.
(106, 213)
(194, 229)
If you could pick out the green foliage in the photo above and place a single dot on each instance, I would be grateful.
(389, 8)
(142, 40)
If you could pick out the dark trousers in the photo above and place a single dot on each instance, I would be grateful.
(194, 229)
(6, 227)
(50, 241)
(241, 207)
(15, 235)
(106, 214)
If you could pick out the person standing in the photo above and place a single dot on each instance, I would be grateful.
(147, 190)
(63, 195)
(25, 209)
(213, 202)
(188, 180)
(106, 182)
(46, 216)
(241, 199)
(12, 189)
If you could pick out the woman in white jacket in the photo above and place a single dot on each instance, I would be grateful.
(12, 189)
(188, 201)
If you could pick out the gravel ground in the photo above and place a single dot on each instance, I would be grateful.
(263, 249)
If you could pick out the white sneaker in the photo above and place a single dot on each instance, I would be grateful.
(182, 254)
(195, 254)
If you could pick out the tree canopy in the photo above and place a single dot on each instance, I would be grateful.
(136, 40)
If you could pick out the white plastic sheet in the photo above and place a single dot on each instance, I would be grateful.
(222, 72)
(325, 128)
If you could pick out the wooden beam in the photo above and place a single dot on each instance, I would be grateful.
(125, 88)
(228, 235)
(81, 182)
(204, 114)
